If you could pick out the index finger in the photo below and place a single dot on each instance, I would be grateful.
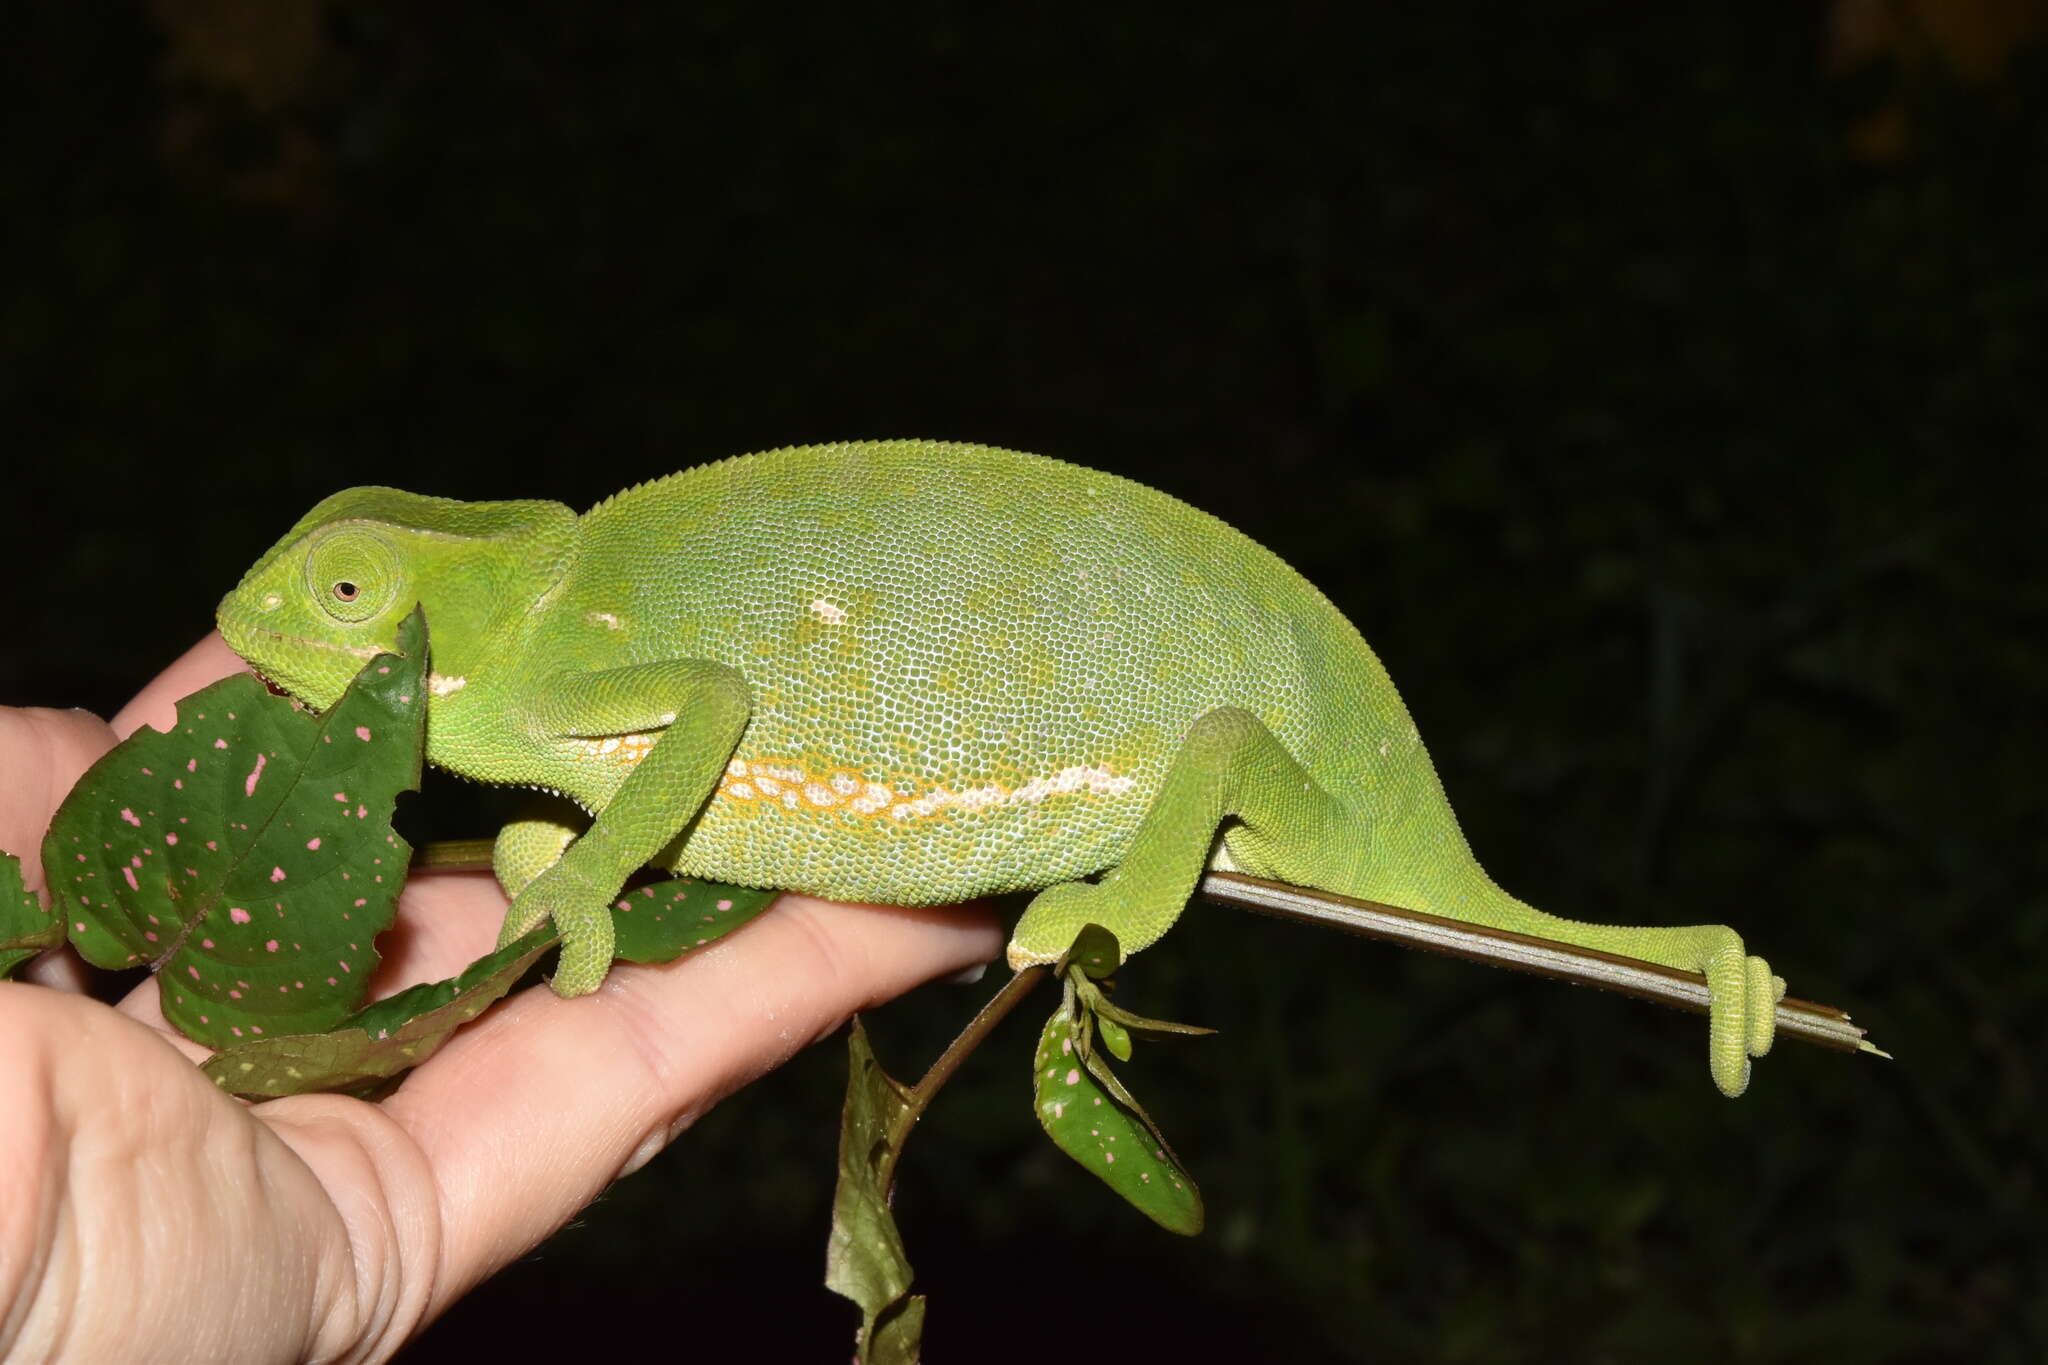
(156, 704)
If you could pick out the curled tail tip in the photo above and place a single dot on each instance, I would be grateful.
(1733, 1086)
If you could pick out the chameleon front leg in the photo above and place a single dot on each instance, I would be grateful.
(1230, 765)
(700, 709)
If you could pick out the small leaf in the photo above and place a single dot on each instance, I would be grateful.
(379, 1042)
(1092, 1126)
(1107, 1011)
(661, 921)
(898, 1338)
(1095, 951)
(864, 1257)
(26, 929)
(247, 854)
(1114, 1036)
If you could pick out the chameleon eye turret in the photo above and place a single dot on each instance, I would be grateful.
(353, 574)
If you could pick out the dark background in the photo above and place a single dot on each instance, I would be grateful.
(1661, 392)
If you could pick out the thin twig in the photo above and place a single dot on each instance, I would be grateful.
(1802, 1019)
(978, 1028)
(920, 1096)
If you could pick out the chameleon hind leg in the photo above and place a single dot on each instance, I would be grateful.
(1229, 766)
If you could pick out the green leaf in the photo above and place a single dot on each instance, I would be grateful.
(247, 855)
(655, 923)
(381, 1041)
(898, 1338)
(1108, 1012)
(25, 927)
(661, 921)
(1090, 1122)
(864, 1258)
(1114, 1036)
(1094, 950)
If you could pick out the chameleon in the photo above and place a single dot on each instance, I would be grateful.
(906, 672)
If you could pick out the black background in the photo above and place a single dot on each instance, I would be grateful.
(1660, 391)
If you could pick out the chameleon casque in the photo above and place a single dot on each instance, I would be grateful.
(908, 672)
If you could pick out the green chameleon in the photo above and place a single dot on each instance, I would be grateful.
(908, 672)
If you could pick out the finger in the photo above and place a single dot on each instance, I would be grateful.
(446, 921)
(530, 1113)
(156, 704)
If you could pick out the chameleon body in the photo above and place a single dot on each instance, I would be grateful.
(908, 672)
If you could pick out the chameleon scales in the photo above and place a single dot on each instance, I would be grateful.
(909, 672)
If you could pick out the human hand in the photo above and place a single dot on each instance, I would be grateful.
(145, 1213)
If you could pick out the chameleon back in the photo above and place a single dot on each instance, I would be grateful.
(971, 667)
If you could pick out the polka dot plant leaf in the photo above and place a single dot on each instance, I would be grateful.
(380, 1042)
(1093, 1119)
(25, 927)
(247, 855)
(661, 921)
(655, 923)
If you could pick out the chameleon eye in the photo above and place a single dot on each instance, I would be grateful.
(353, 574)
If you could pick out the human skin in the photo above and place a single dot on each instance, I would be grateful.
(143, 1213)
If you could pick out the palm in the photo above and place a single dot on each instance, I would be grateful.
(320, 1225)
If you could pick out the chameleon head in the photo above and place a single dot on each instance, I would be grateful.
(330, 595)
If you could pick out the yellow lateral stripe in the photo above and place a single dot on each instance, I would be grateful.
(788, 784)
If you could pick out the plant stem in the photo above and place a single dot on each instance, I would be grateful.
(971, 1037)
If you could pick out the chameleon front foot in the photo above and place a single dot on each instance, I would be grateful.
(580, 915)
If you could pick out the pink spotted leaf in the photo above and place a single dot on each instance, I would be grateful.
(655, 923)
(25, 927)
(661, 921)
(247, 855)
(1092, 1118)
(361, 1054)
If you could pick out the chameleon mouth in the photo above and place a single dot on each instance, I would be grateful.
(276, 689)
(363, 652)
(247, 640)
